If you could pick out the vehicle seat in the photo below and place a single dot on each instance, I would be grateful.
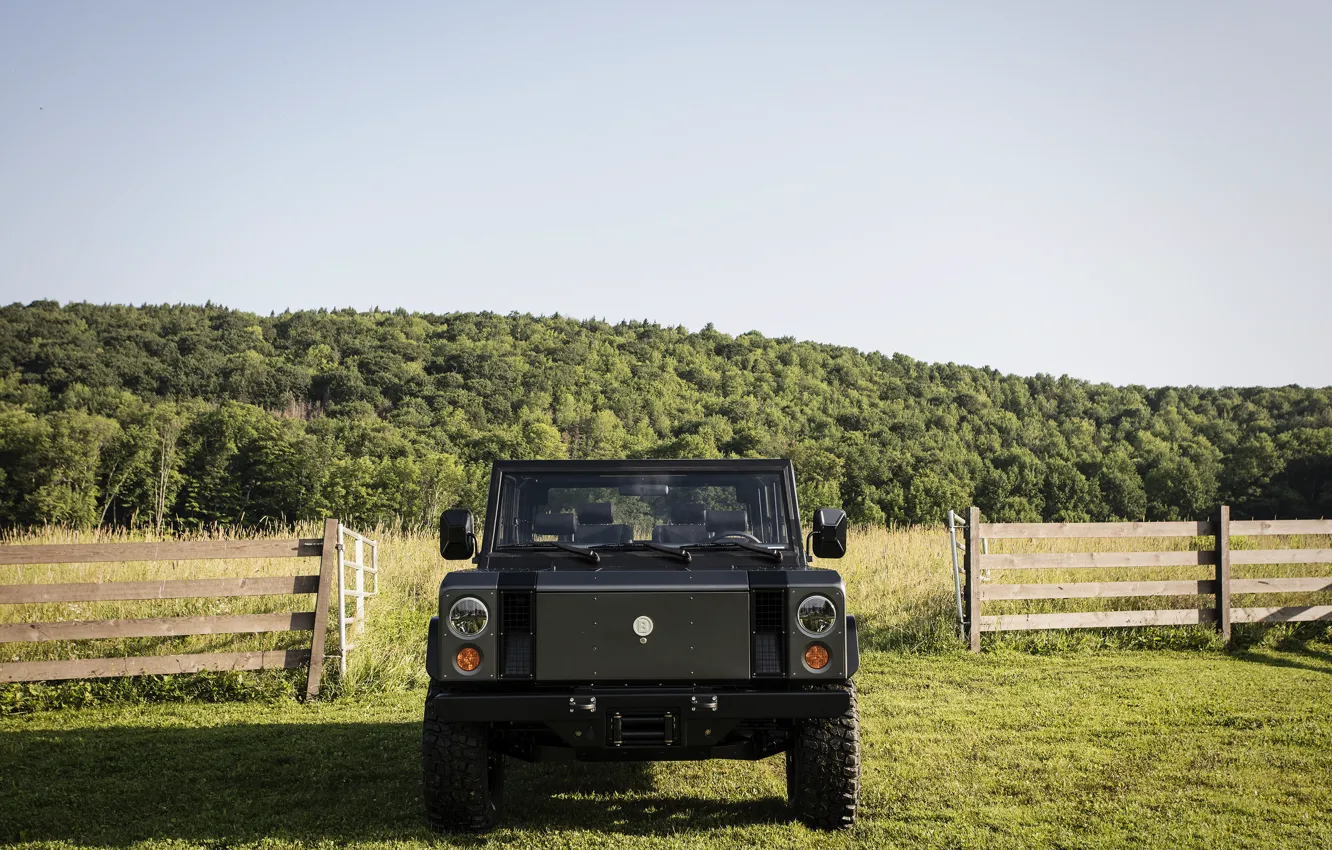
(680, 535)
(596, 525)
(561, 525)
(721, 522)
(688, 525)
(689, 513)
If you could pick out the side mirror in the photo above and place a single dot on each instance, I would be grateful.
(457, 541)
(829, 533)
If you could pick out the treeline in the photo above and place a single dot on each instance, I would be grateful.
(188, 415)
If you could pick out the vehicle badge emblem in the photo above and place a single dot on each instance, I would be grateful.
(643, 626)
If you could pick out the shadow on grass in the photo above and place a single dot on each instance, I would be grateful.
(304, 782)
(1304, 647)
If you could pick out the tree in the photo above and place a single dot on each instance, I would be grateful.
(71, 468)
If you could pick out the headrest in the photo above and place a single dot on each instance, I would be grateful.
(721, 521)
(561, 524)
(689, 513)
(596, 513)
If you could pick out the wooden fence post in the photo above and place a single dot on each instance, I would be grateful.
(1223, 572)
(973, 575)
(328, 568)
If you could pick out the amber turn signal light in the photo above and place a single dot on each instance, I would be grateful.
(469, 659)
(816, 656)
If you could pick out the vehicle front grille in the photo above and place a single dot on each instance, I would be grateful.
(516, 611)
(769, 632)
(515, 634)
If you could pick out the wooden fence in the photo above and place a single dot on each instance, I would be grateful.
(1220, 587)
(315, 622)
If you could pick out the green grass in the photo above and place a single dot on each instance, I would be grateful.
(1110, 749)
(1057, 739)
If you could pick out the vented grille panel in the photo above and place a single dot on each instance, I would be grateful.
(769, 632)
(769, 611)
(517, 657)
(515, 634)
(516, 612)
(767, 655)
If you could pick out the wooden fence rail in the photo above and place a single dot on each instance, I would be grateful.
(1221, 587)
(319, 585)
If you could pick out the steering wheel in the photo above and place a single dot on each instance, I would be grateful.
(743, 534)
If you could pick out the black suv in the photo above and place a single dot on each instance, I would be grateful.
(641, 610)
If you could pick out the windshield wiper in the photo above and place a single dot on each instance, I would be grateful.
(678, 551)
(586, 552)
(591, 554)
(775, 554)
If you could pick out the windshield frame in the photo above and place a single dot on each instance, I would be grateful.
(784, 470)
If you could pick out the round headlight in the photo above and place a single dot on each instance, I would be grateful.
(816, 616)
(468, 617)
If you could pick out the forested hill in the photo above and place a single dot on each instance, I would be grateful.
(189, 415)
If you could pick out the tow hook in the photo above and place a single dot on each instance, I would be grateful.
(582, 704)
(707, 702)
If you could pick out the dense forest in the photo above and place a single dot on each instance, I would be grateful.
(181, 416)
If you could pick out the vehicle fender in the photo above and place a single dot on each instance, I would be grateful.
(432, 649)
(852, 646)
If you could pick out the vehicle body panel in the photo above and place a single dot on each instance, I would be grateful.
(693, 635)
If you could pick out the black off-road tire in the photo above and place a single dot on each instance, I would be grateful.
(823, 768)
(462, 775)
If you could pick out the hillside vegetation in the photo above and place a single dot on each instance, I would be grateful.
(191, 416)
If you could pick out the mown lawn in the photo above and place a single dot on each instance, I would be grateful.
(1092, 749)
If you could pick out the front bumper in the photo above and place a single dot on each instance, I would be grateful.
(590, 704)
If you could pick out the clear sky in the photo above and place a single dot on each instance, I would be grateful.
(1137, 191)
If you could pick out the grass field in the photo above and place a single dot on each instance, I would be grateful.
(1109, 749)
(1063, 739)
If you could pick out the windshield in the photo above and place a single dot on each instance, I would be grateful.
(628, 509)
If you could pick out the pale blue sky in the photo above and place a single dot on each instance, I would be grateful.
(1122, 191)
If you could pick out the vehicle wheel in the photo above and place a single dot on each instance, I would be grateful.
(823, 768)
(462, 775)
